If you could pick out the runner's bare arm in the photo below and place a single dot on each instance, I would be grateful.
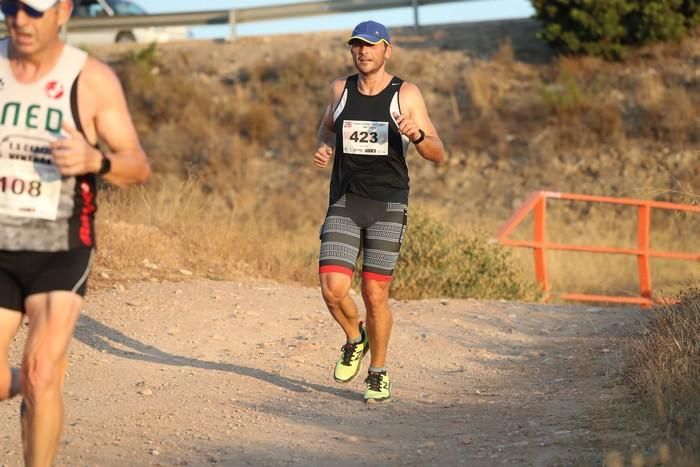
(325, 137)
(104, 115)
(414, 117)
(114, 126)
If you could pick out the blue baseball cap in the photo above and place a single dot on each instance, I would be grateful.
(371, 32)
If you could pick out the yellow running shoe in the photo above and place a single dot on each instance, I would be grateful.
(378, 387)
(348, 365)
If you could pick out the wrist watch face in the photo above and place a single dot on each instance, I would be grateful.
(106, 165)
(420, 138)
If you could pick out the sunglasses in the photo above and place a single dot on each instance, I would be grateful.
(12, 7)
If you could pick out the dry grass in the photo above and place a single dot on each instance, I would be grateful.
(665, 372)
(236, 195)
(172, 229)
(484, 92)
(245, 132)
(175, 230)
(612, 226)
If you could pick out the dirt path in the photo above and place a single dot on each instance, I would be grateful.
(240, 374)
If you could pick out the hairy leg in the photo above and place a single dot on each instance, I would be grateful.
(52, 318)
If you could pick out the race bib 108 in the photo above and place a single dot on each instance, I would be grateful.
(29, 189)
(366, 138)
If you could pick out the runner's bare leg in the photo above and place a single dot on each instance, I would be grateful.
(335, 288)
(52, 318)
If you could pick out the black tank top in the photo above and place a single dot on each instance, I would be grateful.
(370, 152)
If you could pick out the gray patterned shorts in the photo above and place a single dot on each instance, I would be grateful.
(354, 224)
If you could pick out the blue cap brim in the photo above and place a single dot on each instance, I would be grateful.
(368, 39)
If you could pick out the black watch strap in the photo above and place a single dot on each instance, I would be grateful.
(422, 137)
(106, 165)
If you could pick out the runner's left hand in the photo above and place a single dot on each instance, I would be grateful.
(407, 126)
(74, 155)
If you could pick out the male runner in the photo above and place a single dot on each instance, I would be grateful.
(371, 119)
(55, 102)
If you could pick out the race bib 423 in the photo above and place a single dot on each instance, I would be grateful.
(366, 138)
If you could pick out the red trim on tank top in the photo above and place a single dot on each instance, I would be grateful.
(86, 234)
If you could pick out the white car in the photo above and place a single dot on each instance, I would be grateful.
(96, 8)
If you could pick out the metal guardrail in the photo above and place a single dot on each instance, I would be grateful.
(537, 204)
(245, 15)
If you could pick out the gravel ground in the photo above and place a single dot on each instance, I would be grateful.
(205, 373)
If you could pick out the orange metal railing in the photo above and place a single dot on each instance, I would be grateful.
(537, 204)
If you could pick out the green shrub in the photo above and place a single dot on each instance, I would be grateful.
(438, 261)
(140, 63)
(564, 96)
(606, 27)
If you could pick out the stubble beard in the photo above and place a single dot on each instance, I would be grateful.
(371, 68)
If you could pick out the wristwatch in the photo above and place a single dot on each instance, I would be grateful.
(105, 166)
(422, 137)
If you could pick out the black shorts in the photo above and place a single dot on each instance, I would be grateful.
(25, 273)
(354, 224)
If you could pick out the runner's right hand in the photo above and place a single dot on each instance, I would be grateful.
(73, 155)
(322, 156)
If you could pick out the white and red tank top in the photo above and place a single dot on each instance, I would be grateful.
(40, 210)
